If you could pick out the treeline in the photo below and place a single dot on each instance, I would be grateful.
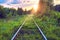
(9, 12)
(57, 8)
(50, 3)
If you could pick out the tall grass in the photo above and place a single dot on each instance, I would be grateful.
(7, 26)
(49, 25)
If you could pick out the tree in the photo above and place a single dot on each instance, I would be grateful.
(50, 4)
(42, 6)
(57, 8)
(20, 11)
(2, 12)
(12, 11)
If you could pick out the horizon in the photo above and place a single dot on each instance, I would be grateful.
(28, 4)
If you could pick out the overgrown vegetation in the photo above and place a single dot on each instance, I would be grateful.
(29, 31)
(11, 19)
(50, 25)
(11, 12)
(7, 27)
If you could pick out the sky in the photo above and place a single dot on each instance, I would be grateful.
(18, 3)
(22, 3)
(56, 2)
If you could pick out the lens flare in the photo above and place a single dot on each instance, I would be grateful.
(35, 7)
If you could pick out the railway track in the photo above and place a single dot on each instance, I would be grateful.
(19, 31)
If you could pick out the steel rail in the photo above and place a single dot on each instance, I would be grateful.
(18, 30)
(40, 30)
(35, 24)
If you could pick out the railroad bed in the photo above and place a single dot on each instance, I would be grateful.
(29, 31)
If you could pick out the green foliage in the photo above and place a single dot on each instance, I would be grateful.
(7, 26)
(10, 12)
(2, 12)
(20, 11)
(55, 13)
(29, 31)
(14, 18)
(49, 26)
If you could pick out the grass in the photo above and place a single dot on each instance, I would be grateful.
(7, 26)
(29, 31)
(49, 25)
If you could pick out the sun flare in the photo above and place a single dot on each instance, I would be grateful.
(35, 7)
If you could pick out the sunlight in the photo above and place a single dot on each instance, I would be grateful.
(35, 7)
